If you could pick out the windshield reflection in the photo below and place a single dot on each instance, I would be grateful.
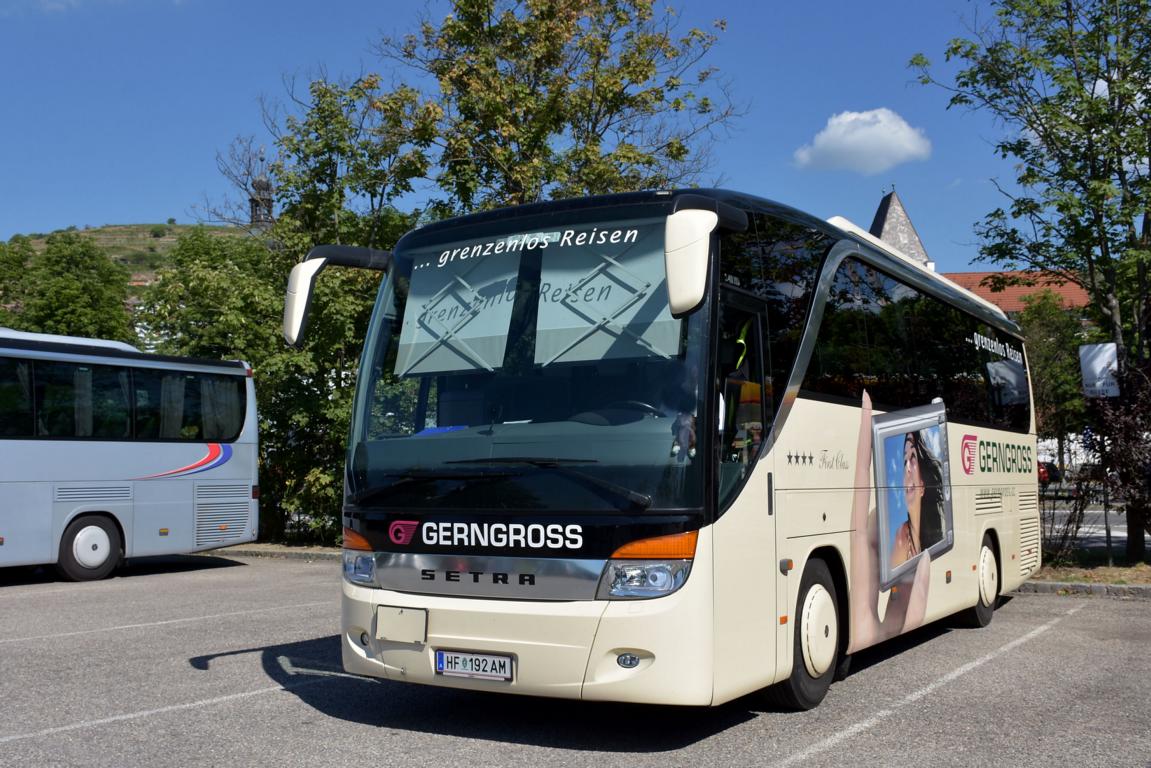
(554, 370)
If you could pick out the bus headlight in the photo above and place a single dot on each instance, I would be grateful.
(360, 567)
(640, 579)
(648, 568)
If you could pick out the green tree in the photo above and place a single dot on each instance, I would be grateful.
(343, 161)
(557, 98)
(73, 288)
(1053, 337)
(1070, 80)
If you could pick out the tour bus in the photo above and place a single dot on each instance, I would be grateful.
(110, 453)
(670, 447)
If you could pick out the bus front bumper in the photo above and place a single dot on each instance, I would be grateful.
(568, 649)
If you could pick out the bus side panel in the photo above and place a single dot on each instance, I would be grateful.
(164, 522)
(745, 591)
(26, 523)
(816, 469)
(996, 489)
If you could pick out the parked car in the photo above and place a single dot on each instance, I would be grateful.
(1049, 473)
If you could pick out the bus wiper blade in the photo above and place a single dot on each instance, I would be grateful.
(407, 479)
(641, 500)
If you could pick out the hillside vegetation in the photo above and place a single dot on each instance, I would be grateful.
(140, 248)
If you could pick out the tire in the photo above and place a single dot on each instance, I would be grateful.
(90, 549)
(987, 572)
(816, 642)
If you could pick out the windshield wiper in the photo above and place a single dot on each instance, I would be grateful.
(414, 477)
(641, 500)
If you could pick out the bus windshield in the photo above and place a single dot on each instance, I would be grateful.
(531, 364)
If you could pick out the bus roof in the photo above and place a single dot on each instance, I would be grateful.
(76, 345)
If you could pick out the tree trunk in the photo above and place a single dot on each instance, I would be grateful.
(1137, 522)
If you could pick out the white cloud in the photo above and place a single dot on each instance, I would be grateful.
(866, 142)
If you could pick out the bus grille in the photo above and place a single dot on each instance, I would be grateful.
(1029, 544)
(989, 505)
(94, 494)
(221, 513)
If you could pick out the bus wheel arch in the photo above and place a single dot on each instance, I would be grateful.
(91, 547)
(818, 638)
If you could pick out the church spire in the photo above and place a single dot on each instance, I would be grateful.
(893, 226)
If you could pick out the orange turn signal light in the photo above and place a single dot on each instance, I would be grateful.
(355, 540)
(678, 546)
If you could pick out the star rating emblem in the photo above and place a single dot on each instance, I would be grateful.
(802, 459)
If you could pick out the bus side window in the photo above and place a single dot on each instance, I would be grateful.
(741, 404)
(15, 398)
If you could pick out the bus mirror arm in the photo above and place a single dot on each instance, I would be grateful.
(298, 299)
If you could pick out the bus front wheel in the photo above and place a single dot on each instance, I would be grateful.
(816, 641)
(987, 570)
(90, 549)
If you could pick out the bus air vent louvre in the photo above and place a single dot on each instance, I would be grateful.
(93, 494)
(988, 505)
(222, 492)
(221, 513)
(1028, 532)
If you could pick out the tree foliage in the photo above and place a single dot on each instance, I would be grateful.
(558, 98)
(343, 161)
(1053, 337)
(1070, 80)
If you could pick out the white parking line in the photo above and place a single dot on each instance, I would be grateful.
(911, 698)
(160, 711)
(161, 623)
(313, 675)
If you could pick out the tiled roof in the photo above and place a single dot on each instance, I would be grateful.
(1011, 298)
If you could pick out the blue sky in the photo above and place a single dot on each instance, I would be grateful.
(114, 109)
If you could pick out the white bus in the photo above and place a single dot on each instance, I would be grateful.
(671, 447)
(108, 453)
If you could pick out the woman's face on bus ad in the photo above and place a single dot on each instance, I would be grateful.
(912, 477)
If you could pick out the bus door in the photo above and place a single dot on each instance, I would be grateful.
(746, 574)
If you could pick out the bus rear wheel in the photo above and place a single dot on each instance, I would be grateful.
(816, 641)
(90, 549)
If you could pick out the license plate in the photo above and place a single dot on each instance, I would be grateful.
(480, 665)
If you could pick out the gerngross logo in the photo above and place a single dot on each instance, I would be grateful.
(993, 456)
(498, 535)
(967, 451)
(401, 532)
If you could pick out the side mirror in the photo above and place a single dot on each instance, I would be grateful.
(298, 299)
(687, 242)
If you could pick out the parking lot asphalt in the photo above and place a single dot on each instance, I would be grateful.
(229, 660)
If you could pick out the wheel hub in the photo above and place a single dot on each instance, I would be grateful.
(988, 577)
(819, 632)
(91, 547)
